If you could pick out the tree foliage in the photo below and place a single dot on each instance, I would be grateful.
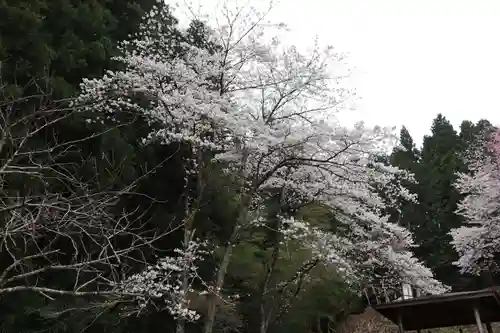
(50, 46)
(444, 161)
(476, 241)
(196, 179)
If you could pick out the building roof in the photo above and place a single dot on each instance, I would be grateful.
(449, 309)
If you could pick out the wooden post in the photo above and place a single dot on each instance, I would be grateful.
(385, 293)
(376, 296)
(367, 297)
(488, 328)
(478, 320)
(400, 324)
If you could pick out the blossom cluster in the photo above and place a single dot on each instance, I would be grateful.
(478, 240)
(267, 112)
(161, 284)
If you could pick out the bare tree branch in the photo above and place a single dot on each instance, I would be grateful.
(55, 219)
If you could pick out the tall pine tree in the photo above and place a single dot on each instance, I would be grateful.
(407, 156)
(49, 45)
(439, 164)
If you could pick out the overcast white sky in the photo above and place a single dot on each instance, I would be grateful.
(414, 58)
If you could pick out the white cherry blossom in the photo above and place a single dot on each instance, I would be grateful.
(267, 112)
(478, 241)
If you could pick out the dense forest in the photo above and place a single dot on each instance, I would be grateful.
(161, 179)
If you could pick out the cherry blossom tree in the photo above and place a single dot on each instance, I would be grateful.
(266, 112)
(170, 82)
(357, 259)
(477, 242)
(287, 141)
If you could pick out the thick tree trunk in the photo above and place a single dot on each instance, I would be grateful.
(188, 234)
(222, 271)
(265, 314)
(264, 323)
(228, 251)
(189, 216)
(219, 283)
